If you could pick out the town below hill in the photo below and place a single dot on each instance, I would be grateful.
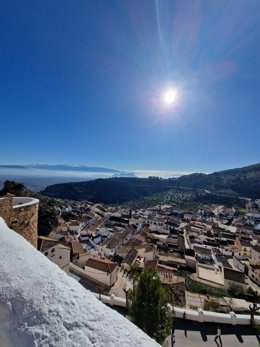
(206, 257)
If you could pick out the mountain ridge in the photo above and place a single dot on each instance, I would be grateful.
(62, 167)
(243, 181)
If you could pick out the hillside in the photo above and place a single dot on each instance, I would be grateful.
(235, 182)
(40, 305)
(238, 182)
(111, 190)
(184, 198)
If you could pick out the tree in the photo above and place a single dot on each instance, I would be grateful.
(237, 291)
(148, 306)
(117, 259)
(253, 309)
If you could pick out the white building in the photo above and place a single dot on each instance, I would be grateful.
(101, 270)
(55, 252)
(255, 254)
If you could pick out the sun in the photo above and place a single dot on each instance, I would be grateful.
(170, 96)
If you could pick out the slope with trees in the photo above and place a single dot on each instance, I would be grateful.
(111, 190)
(236, 182)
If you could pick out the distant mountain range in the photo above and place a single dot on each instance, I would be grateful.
(243, 182)
(61, 167)
(39, 176)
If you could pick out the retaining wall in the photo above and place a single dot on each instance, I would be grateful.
(198, 316)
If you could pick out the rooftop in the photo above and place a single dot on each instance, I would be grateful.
(101, 264)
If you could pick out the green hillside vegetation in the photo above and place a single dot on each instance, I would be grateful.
(238, 182)
(170, 197)
(226, 186)
(111, 190)
(185, 199)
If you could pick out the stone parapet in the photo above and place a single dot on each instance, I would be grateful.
(21, 214)
(6, 206)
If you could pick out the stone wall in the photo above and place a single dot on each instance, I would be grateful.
(22, 219)
(6, 206)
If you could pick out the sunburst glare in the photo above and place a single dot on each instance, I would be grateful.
(170, 96)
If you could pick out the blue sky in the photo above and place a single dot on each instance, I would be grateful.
(82, 82)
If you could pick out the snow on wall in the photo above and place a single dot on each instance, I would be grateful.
(42, 306)
(19, 202)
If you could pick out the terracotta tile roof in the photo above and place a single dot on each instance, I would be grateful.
(65, 240)
(151, 264)
(147, 247)
(77, 247)
(124, 249)
(223, 260)
(235, 249)
(131, 257)
(63, 247)
(101, 264)
(202, 250)
(46, 243)
(134, 242)
(165, 267)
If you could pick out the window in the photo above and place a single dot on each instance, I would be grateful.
(46, 253)
(60, 256)
(53, 250)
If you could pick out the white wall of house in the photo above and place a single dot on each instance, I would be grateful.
(83, 258)
(164, 273)
(254, 274)
(103, 277)
(191, 262)
(59, 256)
(162, 238)
(255, 256)
(246, 251)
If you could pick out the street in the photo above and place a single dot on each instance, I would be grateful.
(188, 333)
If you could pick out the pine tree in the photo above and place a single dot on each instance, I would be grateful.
(148, 306)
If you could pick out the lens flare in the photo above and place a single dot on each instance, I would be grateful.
(170, 96)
